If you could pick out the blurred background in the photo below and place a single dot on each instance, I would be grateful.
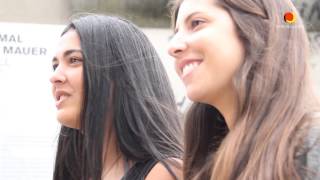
(28, 129)
(148, 14)
(145, 13)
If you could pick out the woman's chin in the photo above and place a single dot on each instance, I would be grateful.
(67, 120)
(194, 95)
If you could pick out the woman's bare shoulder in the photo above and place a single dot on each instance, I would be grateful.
(160, 171)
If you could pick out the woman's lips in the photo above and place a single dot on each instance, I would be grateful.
(60, 96)
(60, 100)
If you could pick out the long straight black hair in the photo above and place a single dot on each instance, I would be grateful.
(122, 67)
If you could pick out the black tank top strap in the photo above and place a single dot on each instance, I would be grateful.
(139, 170)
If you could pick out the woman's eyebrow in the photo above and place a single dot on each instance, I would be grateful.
(191, 15)
(66, 53)
(186, 19)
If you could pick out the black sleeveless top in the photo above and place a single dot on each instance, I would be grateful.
(139, 170)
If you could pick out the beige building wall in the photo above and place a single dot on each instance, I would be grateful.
(34, 11)
(58, 11)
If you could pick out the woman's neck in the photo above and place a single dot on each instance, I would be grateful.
(227, 103)
(113, 160)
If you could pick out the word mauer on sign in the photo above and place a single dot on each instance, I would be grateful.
(11, 47)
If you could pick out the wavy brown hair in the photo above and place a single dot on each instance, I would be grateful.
(275, 96)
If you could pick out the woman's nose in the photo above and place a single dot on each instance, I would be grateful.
(177, 45)
(58, 76)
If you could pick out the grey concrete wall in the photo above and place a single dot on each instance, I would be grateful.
(315, 59)
(310, 12)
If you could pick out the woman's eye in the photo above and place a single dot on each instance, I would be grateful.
(195, 23)
(75, 60)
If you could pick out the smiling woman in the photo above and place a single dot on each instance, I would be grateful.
(255, 115)
(115, 104)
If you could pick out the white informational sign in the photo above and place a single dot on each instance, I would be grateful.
(28, 125)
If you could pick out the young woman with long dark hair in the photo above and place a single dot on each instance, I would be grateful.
(114, 101)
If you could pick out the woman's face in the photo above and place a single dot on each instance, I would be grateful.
(67, 79)
(206, 49)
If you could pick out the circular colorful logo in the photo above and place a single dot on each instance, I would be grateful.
(290, 17)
